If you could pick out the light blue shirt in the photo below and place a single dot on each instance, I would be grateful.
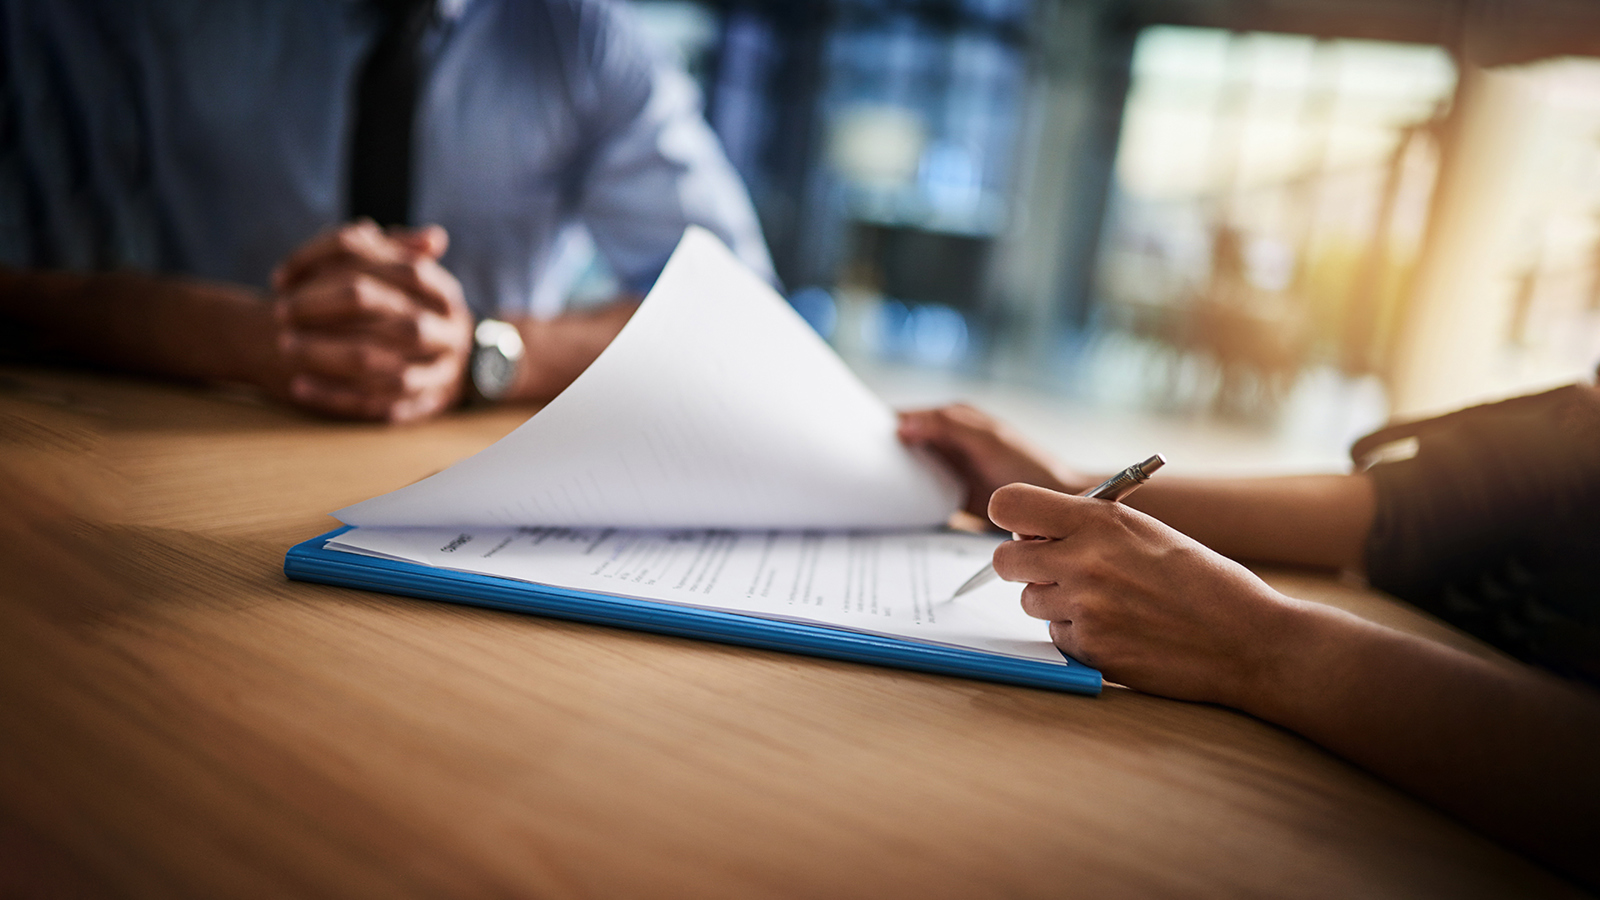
(211, 137)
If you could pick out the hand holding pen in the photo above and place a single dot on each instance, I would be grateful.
(1114, 489)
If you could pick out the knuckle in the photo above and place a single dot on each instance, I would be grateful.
(416, 271)
(1068, 637)
(394, 412)
(1006, 557)
(1115, 513)
(1094, 567)
(1088, 612)
(967, 414)
(1036, 602)
(348, 238)
(375, 294)
(412, 410)
(458, 338)
(411, 381)
(360, 292)
(455, 297)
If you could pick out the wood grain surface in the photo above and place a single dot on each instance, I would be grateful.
(178, 719)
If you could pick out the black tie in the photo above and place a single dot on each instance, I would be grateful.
(386, 105)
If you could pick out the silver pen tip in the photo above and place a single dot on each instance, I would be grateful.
(1149, 466)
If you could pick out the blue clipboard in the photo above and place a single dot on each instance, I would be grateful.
(311, 561)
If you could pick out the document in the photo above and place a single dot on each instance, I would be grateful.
(718, 455)
(715, 407)
(891, 583)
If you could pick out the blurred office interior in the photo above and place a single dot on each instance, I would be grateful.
(1266, 225)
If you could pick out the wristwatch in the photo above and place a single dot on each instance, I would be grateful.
(497, 353)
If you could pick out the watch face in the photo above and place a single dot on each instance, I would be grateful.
(492, 372)
(495, 358)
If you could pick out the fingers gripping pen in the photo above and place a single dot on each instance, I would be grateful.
(1114, 489)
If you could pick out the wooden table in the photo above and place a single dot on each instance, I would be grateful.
(177, 719)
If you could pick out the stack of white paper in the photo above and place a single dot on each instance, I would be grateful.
(717, 454)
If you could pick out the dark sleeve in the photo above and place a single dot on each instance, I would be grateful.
(1494, 524)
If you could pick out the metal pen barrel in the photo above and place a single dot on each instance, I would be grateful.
(1127, 481)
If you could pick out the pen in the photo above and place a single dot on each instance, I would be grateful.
(1114, 488)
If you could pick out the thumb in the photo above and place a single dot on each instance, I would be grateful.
(1039, 512)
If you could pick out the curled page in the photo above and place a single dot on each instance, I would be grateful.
(716, 406)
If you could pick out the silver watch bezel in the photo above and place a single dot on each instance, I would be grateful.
(493, 339)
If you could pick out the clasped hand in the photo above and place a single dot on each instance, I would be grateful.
(371, 326)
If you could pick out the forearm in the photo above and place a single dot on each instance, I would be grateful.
(1507, 748)
(556, 351)
(1318, 520)
(145, 323)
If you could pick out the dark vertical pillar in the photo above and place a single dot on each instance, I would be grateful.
(1092, 160)
(1042, 274)
(772, 56)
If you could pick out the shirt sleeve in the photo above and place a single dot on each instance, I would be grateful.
(1493, 523)
(654, 166)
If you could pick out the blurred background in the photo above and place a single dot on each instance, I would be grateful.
(1248, 229)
